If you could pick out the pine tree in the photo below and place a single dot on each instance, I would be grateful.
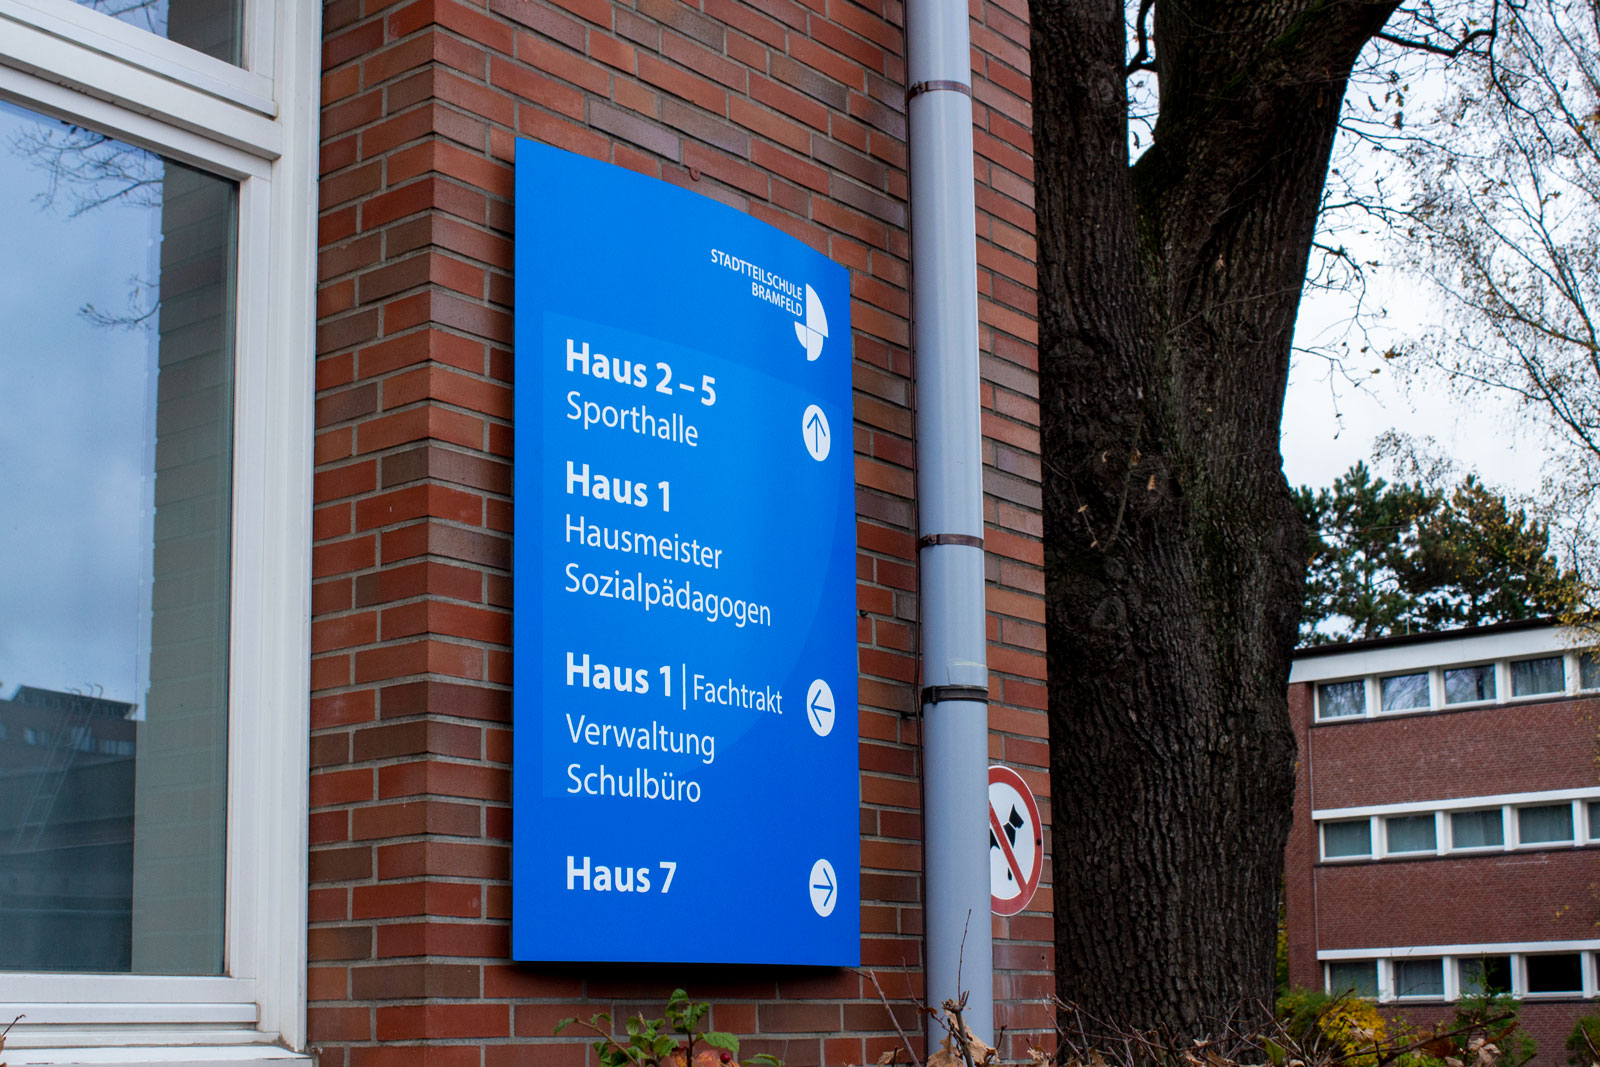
(1387, 559)
(1478, 560)
(1361, 530)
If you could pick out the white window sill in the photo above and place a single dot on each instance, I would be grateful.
(187, 1055)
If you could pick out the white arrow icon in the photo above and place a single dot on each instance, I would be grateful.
(824, 888)
(814, 432)
(819, 708)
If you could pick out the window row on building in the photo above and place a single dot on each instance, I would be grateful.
(1464, 825)
(1465, 685)
(1553, 969)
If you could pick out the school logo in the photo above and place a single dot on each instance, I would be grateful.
(814, 330)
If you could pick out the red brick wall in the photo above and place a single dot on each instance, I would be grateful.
(1512, 748)
(793, 112)
(1536, 895)
(1526, 895)
(1300, 857)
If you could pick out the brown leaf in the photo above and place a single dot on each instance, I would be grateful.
(1439, 1047)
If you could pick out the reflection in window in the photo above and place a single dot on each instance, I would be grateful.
(1546, 822)
(1411, 833)
(1338, 700)
(1403, 692)
(1353, 976)
(1559, 973)
(1419, 978)
(1485, 975)
(1351, 837)
(214, 27)
(1477, 829)
(1465, 684)
(115, 468)
(1589, 670)
(1533, 676)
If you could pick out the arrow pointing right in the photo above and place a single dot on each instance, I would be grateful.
(826, 883)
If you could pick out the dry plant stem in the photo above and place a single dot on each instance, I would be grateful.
(885, 1001)
(1082, 1039)
(958, 1029)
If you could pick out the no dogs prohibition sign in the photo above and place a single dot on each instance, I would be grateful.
(1016, 842)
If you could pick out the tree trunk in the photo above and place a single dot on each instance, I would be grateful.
(1173, 550)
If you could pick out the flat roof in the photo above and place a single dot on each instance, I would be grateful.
(1440, 648)
(1419, 638)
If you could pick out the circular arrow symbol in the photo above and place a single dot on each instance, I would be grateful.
(820, 711)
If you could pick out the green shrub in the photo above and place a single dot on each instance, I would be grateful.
(655, 1042)
(1348, 1027)
(1583, 1043)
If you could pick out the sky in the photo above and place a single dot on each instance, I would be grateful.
(1332, 417)
(1330, 422)
(74, 534)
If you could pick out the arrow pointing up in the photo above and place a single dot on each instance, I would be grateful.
(818, 431)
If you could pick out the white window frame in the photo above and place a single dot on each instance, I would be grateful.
(1448, 844)
(1366, 692)
(1446, 966)
(1429, 678)
(1438, 837)
(1519, 968)
(1498, 651)
(1451, 958)
(1573, 814)
(1374, 843)
(1495, 670)
(1327, 973)
(1444, 833)
(1575, 674)
(257, 125)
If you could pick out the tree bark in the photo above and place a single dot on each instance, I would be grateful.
(1173, 551)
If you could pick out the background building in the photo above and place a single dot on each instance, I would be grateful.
(1447, 823)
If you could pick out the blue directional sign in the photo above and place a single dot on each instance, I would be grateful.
(685, 779)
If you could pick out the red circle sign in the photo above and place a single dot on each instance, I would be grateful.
(1016, 842)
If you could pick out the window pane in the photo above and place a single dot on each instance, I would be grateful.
(1419, 978)
(1411, 833)
(210, 26)
(1548, 822)
(1464, 684)
(115, 466)
(1486, 974)
(1477, 829)
(1594, 820)
(1532, 676)
(1353, 976)
(1337, 700)
(1555, 974)
(1405, 691)
(1352, 838)
(1589, 670)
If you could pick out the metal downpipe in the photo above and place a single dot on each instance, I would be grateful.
(955, 727)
